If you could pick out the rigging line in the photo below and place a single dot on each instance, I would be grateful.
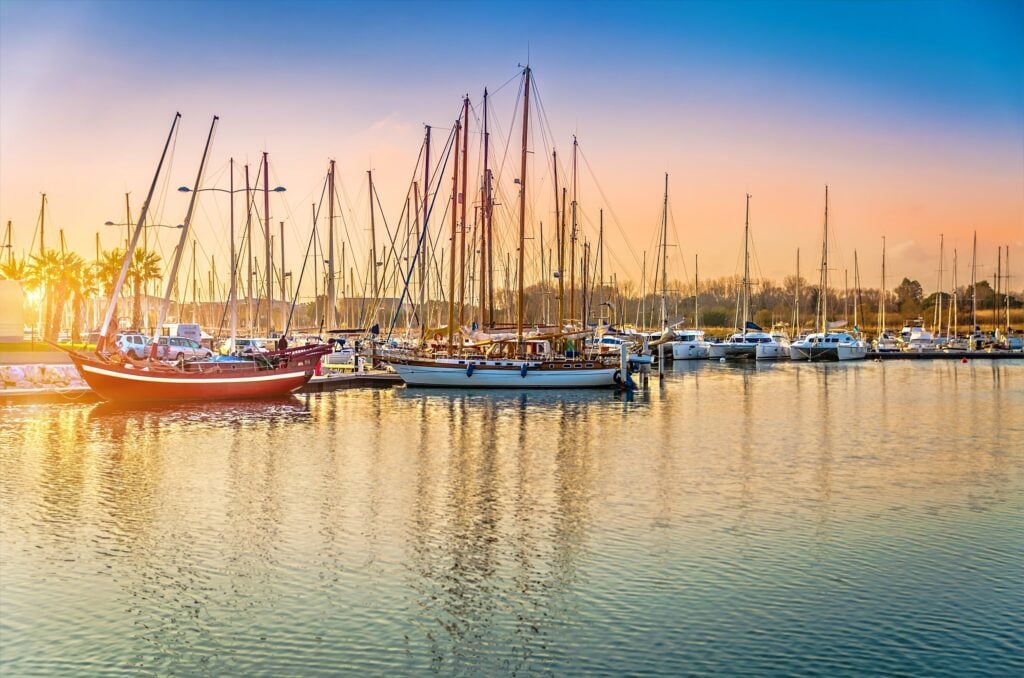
(614, 216)
(379, 301)
(426, 220)
(305, 261)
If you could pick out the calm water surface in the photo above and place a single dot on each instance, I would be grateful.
(832, 519)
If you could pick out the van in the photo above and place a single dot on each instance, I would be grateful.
(187, 330)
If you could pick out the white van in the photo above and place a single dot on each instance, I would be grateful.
(187, 330)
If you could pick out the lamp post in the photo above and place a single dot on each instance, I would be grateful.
(248, 225)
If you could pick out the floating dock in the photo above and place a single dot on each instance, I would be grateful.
(945, 355)
(337, 381)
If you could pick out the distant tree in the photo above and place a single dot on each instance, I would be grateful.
(909, 296)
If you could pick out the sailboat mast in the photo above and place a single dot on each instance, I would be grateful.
(332, 292)
(485, 235)
(600, 251)
(824, 271)
(746, 266)
(165, 304)
(881, 296)
(796, 300)
(373, 238)
(561, 263)
(452, 242)
(664, 257)
(954, 325)
(572, 240)
(425, 236)
(974, 287)
(938, 292)
(268, 277)
(696, 293)
(522, 205)
(231, 292)
(116, 292)
(462, 197)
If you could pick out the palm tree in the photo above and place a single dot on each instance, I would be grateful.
(83, 288)
(13, 269)
(144, 269)
(40, 274)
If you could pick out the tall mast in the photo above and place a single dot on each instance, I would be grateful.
(561, 261)
(696, 293)
(561, 249)
(955, 323)
(881, 296)
(974, 287)
(600, 252)
(824, 270)
(486, 284)
(332, 292)
(572, 239)
(664, 258)
(373, 239)
(116, 292)
(231, 292)
(424, 234)
(248, 252)
(267, 269)
(284, 294)
(42, 226)
(856, 290)
(522, 207)
(938, 292)
(796, 301)
(462, 196)
(746, 266)
(451, 247)
(182, 240)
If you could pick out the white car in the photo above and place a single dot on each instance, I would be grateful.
(174, 348)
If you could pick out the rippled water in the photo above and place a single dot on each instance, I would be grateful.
(833, 519)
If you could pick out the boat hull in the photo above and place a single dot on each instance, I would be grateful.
(772, 352)
(733, 351)
(509, 376)
(690, 350)
(124, 383)
(828, 353)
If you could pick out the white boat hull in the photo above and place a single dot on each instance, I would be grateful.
(509, 376)
(690, 350)
(772, 352)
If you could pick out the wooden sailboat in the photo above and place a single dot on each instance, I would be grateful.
(525, 362)
(123, 379)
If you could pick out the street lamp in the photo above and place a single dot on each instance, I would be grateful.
(231, 191)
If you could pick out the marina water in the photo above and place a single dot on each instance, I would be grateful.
(846, 519)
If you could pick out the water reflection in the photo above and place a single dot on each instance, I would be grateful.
(410, 530)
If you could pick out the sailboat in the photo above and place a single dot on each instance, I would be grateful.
(743, 345)
(525, 362)
(123, 379)
(827, 345)
(689, 343)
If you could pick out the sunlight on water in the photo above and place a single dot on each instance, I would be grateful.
(840, 519)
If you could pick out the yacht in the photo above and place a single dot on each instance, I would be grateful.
(828, 346)
(690, 345)
(743, 345)
(777, 349)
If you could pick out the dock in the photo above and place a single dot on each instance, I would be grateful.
(338, 381)
(945, 355)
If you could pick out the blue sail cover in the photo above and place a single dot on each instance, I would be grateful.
(752, 326)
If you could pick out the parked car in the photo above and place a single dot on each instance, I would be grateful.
(134, 345)
(244, 346)
(174, 348)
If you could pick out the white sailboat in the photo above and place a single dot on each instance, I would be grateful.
(827, 345)
(743, 345)
(690, 344)
(531, 364)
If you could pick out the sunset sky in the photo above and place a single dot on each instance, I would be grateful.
(911, 112)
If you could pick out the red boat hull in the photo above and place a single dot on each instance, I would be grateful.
(127, 383)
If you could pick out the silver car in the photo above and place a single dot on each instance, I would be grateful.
(175, 348)
(134, 345)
